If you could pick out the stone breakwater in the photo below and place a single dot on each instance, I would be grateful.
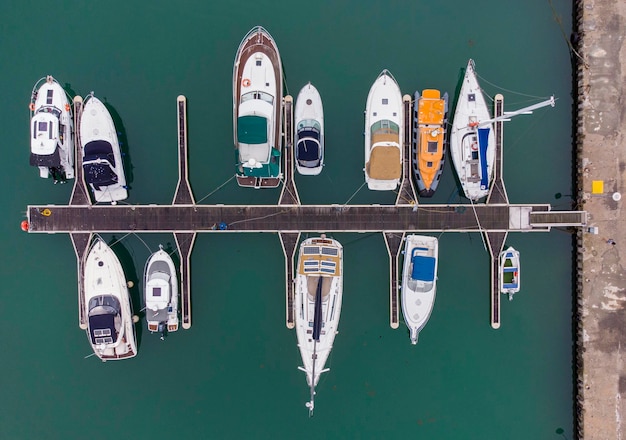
(598, 54)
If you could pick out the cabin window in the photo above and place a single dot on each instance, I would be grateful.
(429, 164)
(156, 291)
(43, 126)
(49, 97)
(258, 62)
(385, 101)
(432, 147)
(471, 97)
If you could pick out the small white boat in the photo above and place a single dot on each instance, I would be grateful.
(309, 120)
(257, 110)
(419, 281)
(161, 293)
(102, 158)
(110, 324)
(509, 272)
(472, 142)
(384, 131)
(52, 130)
(318, 292)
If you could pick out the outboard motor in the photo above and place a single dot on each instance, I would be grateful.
(162, 329)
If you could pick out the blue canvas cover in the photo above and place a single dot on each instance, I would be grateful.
(483, 144)
(423, 267)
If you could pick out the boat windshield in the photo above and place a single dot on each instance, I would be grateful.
(263, 96)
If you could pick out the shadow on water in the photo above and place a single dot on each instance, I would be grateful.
(69, 90)
(128, 265)
(123, 139)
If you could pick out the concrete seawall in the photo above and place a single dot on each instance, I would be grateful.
(600, 309)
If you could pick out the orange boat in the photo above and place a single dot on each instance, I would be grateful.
(430, 118)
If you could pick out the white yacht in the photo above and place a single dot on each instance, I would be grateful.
(161, 293)
(472, 138)
(419, 281)
(384, 131)
(110, 322)
(102, 158)
(52, 130)
(472, 143)
(318, 291)
(257, 110)
(309, 122)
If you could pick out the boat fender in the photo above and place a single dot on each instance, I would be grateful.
(32, 106)
(474, 146)
(246, 82)
(24, 225)
(67, 107)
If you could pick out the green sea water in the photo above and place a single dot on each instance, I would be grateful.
(233, 374)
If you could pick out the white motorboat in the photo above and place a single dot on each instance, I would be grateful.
(509, 272)
(110, 324)
(318, 292)
(472, 139)
(419, 281)
(102, 158)
(257, 106)
(472, 145)
(384, 131)
(309, 121)
(161, 293)
(52, 130)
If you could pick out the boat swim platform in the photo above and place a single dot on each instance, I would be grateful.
(184, 218)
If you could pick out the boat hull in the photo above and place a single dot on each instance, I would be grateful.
(52, 131)
(323, 266)
(472, 145)
(309, 123)
(419, 281)
(509, 263)
(110, 327)
(161, 293)
(97, 129)
(257, 106)
(429, 140)
(384, 131)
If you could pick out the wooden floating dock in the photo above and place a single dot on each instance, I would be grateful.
(184, 218)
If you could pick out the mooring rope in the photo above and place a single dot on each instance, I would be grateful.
(216, 189)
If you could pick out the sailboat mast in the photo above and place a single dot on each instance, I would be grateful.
(317, 330)
(548, 102)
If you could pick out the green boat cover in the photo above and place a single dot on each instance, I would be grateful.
(252, 129)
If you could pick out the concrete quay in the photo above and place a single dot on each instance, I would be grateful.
(599, 54)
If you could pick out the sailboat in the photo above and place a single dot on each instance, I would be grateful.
(110, 324)
(430, 120)
(509, 272)
(384, 131)
(52, 130)
(472, 140)
(318, 293)
(102, 157)
(309, 122)
(257, 104)
(419, 281)
(161, 293)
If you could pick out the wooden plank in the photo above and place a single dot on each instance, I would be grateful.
(289, 242)
(184, 242)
